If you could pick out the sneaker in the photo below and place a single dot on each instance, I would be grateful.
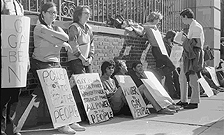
(180, 103)
(191, 106)
(77, 127)
(166, 111)
(66, 130)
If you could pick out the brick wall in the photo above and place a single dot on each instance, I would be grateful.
(110, 43)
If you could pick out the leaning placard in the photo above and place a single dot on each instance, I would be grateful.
(15, 34)
(95, 102)
(59, 97)
(157, 90)
(160, 42)
(132, 95)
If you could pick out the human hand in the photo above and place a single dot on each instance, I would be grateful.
(67, 47)
(89, 60)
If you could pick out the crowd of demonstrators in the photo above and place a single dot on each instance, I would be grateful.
(49, 39)
(10, 96)
(163, 62)
(81, 41)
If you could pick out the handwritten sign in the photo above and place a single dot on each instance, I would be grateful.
(95, 102)
(160, 42)
(15, 34)
(133, 96)
(157, 90)
(59, 97)
(176, 54)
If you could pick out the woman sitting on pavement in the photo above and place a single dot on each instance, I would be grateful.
(220, 73)
(137, 73)
(115, 94)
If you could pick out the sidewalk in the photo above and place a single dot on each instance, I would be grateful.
(208, 119)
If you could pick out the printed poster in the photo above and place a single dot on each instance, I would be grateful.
(15, 34)
(94, 98)
(132, 95)
(59, 97)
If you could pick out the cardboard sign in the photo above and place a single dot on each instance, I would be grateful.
(133, 96)
(178, 37)
(15, 34)
(59, 97)
(205, 86)
(212, 72)
(157, 90)
(176, 54)
(160, 42)
(95, 102)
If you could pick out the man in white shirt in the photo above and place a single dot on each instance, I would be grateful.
(195, 34)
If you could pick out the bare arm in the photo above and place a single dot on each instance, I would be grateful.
(60, 34)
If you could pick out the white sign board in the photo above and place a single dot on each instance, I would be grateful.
(160, 42)
(94, 98)
(133, 96)
(176, 54)
(205, 86)
(15, 34)
(157, 90)
(178, 38)
(212, 72)
(59, 97)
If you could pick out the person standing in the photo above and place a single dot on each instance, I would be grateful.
(193, 59)
(10, 96)
(81, 41)
(163, 63)
(48, 41)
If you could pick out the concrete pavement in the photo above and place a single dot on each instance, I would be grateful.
(208, 119)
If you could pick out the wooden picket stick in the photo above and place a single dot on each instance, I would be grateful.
(26, 113)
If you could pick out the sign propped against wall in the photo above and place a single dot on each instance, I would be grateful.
(160, 42)
(205, 86)
(213, 75)
(59, 97)
(133, 96)
(94, 98)
(15, 34)
(156, 89)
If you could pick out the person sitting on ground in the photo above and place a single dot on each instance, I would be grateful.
(108, 81)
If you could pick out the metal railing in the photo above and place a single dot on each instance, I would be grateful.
(136, 10)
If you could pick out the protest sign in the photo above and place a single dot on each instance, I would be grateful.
(15, 34)
(176, 54)
(212, 72)
(133, 96)
(205, 86)
(160, 42)
(178, 37)
(59, 97)
(157, 90)
(94, 98)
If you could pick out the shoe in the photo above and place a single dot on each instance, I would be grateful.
(166, 111)
(17, 133)
(180, 103)
(191, 106)
(77, 127)
(66, 130)
(174, 107)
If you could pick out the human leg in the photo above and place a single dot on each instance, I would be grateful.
(183, 85)
(117, 101)
(5, 97)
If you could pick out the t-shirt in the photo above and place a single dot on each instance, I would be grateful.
(196, 31)
(44, 50)
(109, 86)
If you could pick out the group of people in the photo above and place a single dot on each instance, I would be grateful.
(49, 39)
